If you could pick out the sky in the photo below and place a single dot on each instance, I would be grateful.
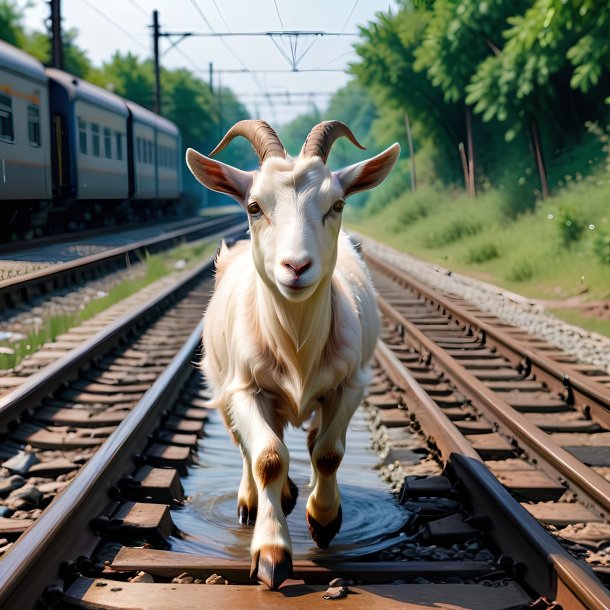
(278, 97)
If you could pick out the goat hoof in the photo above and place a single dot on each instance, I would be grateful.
(245, 515)
(272, 565)
(322, 535)
(289, 501)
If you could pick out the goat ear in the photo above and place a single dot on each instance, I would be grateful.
(218, 176)
(367, 174)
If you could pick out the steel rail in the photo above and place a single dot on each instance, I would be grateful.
(28, 395)
(24, 283)
(36, 556)
(551, 457)
(546, 369)
(551, 570)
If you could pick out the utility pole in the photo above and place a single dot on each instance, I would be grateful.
(57, 47)
(156, 36)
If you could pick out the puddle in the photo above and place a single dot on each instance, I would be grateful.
(371, 516)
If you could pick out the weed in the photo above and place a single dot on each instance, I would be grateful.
(482, 253)
(457, 229)
(571, 226)
(522, 271)
(601, 247)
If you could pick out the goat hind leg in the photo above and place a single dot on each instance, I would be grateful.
(247, 496)
(327, 447)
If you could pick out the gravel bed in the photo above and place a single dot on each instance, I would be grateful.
(512, 308)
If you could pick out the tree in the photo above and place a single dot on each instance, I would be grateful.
(387, 71)
(127, 76)
(11, 23)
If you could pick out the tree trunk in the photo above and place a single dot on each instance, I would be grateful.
(464, 165)
(470, 144)
(539, 159)
(411, 152)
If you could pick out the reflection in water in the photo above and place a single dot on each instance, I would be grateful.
(209, 520)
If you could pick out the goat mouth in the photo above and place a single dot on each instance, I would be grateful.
(295, 286)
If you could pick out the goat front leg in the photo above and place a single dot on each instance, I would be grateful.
(260, 437)
(327, 446)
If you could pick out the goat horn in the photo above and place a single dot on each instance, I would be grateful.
(323, 136)
(264, 140)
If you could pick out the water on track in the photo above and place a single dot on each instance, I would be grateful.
(371, 516)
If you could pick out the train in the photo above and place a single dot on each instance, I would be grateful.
(74, 155)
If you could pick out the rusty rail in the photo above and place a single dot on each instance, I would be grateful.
(35, 558)
(545, 368)
(588, 482)
(551, 571)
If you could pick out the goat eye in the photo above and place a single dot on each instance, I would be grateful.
(254, 208)
(338, 206)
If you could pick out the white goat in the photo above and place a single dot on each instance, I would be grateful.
(290, 327)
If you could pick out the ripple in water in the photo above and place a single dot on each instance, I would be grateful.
(371, 516)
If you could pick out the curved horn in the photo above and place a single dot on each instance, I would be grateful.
(323, 136)
(264, 140)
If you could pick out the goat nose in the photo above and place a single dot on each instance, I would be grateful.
(297, 268)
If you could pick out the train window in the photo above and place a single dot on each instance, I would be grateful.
(139, 146)
(119, 145)
(34, 125)
(6, 119)
(151, 159)
(82, 135)
(107, 143)
(95, 142)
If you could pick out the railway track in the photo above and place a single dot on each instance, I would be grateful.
(23, 288)
(464, 537)
(59, 291)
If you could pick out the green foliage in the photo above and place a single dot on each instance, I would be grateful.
(481, 253)
(571, 225)
(455, 230)
(11, 20)
(128, 76)
(601, 246)
(521, 271)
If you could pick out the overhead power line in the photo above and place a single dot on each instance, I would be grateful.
(114, 23)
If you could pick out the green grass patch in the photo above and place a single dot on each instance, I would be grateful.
(483, 252)
(156, 267)
(533, 253)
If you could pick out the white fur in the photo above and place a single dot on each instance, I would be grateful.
(291, 325)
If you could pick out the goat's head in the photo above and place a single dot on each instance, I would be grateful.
(294, 205)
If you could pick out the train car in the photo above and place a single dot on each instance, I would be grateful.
(168, 145)
(142, 144)
(90, 152)
(74, 155)
(25, 142)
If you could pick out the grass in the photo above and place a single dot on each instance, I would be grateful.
(558, 250)
(156, 267)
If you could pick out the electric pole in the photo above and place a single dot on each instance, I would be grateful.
(57, 47)
(156, 35)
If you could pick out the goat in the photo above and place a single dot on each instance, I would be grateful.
(290, 327)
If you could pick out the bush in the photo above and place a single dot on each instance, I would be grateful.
(482, 253)
(601, 247)
(457, 229)
(571, 226)
(521, 271)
